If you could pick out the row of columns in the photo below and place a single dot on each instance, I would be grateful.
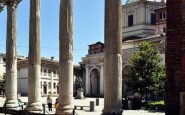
(113, 60)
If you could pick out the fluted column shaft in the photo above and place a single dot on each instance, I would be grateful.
(66, 58)
(11, 56)
(113, 59)
(34, 94)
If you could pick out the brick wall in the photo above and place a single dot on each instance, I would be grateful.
(175, 55)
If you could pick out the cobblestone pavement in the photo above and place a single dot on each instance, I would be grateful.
(86, 110)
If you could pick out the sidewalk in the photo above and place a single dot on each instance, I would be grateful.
(86, 110)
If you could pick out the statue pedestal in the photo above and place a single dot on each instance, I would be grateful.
(80, 94)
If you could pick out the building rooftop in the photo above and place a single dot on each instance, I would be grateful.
(132, 1)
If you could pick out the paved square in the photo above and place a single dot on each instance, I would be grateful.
(86, 110)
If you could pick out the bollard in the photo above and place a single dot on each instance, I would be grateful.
(97, 101)
(5, 108)
(73, 111)
(22, 106)
(91, 105)
(43, 105)
(129, 105)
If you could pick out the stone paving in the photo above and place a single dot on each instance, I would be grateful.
(86, 110)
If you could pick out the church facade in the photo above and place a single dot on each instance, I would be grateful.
(139, 25)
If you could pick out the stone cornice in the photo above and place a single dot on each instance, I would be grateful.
(44, 63)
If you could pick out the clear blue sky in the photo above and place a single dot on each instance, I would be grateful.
(88, 27)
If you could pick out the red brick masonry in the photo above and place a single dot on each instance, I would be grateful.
(175, 55)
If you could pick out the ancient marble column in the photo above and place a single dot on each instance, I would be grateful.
(11, 56)
(34, 93)
(66, 58)
(113, 58)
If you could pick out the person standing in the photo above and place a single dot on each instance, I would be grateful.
(49, 102)
(56, 103)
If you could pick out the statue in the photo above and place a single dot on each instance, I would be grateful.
(80, 89)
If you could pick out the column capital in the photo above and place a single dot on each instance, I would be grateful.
(1, 7)
(12, 3)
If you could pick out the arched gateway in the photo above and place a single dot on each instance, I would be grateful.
(95, 83)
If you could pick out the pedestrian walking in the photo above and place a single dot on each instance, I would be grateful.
(49, 102)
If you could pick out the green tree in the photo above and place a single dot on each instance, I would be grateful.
(146, 72)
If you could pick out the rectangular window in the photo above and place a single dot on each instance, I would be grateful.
(54, 73)
(41, 71)
(49, 85)
(4, 60)
(162, 15)
(153, 18)
(45, 72)
(54, 85)
(49, 71)
(130, 20)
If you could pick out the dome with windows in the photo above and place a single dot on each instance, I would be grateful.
(132, 1)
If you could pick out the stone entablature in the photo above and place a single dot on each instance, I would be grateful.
(44, 63)
(93, 59)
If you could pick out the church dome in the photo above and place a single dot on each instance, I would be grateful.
(132, 1)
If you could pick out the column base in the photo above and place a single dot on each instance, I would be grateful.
(65, 110)
(112, 111)
(33, 107)
(12, 103)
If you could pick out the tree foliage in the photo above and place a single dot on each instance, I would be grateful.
(146, 71)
